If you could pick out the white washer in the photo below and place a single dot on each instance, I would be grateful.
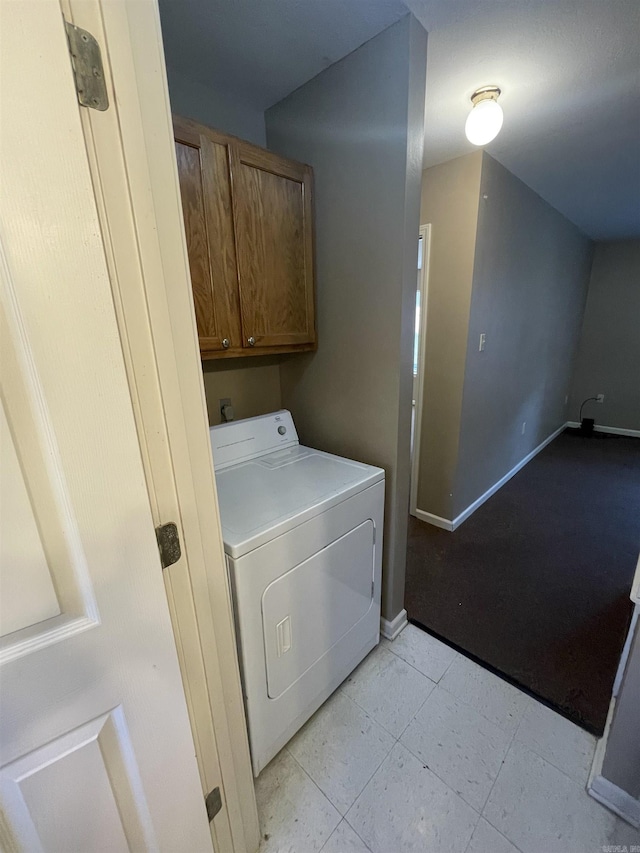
(302, 533)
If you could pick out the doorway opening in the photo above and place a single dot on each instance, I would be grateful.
(523, 532)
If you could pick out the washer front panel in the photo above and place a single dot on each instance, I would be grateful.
(311, 607)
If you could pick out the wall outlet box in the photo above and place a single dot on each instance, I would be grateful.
(600, 398)
(226, 410)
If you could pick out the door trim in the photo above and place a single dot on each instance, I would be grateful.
(133, 166)
(425, 233)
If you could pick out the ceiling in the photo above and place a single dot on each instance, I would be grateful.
(261, 50)
(569, 71)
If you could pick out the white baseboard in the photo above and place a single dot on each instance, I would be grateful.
(457, 521)
(634, 433)
(615, 799)
(448, 524)
(600, 788)
(430, 518)
(601, 747)
(390, 630)
(626, 650)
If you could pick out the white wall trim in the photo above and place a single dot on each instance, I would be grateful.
(448, 524)
(457, 521)
(436, 520)
(635, 587)
(626, 651)
(600, 788)
(635, 433)
(390, 630)
(418, 382)
(601, 747)
(615, 799)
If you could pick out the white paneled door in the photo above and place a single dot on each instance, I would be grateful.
(96, 751)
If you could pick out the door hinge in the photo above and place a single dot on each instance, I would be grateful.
(213, 802)
(168, 544)
(373, 588)
(86, 61)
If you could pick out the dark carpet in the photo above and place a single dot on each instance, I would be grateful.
(536, 582)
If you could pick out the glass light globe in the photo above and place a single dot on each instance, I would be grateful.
(484, 122)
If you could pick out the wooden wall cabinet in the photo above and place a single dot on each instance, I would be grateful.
(249, 229)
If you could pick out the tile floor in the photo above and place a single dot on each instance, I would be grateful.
(423, 750)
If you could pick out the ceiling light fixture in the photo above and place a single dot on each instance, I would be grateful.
(485, 119)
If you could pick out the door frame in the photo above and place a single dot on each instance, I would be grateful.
(133, 167)
(423, 287)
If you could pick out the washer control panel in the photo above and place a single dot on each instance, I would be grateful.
(239, 441)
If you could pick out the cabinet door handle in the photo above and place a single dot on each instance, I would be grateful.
(251, 341)
(225, 343)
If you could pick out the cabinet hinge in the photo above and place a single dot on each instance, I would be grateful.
(213, 802)
(86, 61)
(168, 544)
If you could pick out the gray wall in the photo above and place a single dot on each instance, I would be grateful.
(621, 763)
(609, 354)
(360, 124)
(530, 282)
(209, 106)
(253, 388)
(450, 195)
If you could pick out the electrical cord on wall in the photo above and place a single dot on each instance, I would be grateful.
(582, 406)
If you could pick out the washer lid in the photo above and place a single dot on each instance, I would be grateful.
(266, 496)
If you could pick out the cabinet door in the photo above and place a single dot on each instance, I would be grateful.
(203, 170)
(274, 244)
